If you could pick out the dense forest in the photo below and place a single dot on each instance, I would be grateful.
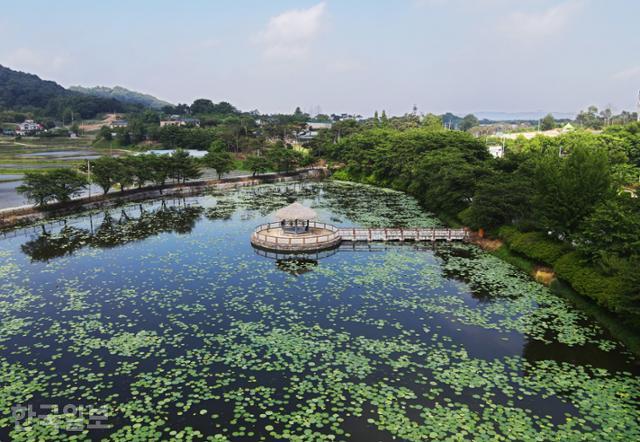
(123, 95)
(24, 92)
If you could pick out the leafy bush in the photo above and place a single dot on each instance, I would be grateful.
(534, 245)
(341, 175)
(568, 266)
(611, 292)
(538, 246)
(508, 233)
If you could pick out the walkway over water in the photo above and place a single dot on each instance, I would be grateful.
(402, 234)
(320, 236)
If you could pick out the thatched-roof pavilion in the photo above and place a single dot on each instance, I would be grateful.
(295, 218)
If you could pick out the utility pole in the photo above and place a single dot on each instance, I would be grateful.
(638, 108)
(89, 176)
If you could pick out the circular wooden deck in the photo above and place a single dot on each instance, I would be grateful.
(319, 237)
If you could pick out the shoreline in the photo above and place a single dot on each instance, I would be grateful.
(625, 333)
(19, 216)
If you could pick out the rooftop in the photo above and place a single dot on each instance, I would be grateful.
(296, 211)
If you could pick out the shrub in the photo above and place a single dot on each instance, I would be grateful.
(568, 266)
(467, 218)
(539, 246)
(608, 291)
(342, 175)
(508, 233)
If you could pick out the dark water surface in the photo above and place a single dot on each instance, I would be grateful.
(163, 317)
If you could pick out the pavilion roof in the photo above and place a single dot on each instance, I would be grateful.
(296, 211)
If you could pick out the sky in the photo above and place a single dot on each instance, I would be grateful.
(336, 56)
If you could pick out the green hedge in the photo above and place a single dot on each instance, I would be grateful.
(611, 292)
(341, 175)
(508, 233)
(535, 245)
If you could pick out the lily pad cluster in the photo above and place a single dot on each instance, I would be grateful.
(166, 319)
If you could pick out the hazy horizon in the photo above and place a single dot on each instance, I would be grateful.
(486, 56)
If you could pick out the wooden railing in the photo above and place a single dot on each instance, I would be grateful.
(261, 237)
(402, 234)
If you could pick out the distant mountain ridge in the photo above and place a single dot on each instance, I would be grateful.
(22, 91)
(122, 94)
(523, 116)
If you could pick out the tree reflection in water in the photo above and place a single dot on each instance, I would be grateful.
(296, 266)
(113, 231)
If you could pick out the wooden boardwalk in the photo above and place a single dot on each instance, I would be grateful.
(321, 236)
(402, 234)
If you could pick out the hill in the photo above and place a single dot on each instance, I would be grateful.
(21, 91)
(122, 94)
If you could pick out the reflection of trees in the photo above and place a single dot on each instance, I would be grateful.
(224, 209)
(296, 266)
(48, 246)
(114, 231)
(585, 355)
(481, 294)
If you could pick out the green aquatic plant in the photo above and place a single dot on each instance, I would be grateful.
(180, 331)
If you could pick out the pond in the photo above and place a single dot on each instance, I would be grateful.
(159, 321)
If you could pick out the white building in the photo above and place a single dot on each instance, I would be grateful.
(29, 127)
(496, 151)
(176, 120)
(192, 152)
(119, 123)
(316, 126)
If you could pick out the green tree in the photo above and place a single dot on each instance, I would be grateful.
(160, 167)
(384, 121)
(614, 227)
(38, 187)
(432, 122)
(105, 133)
(52, 185)
(68, 183)
(257, 164)
(590, 118)
(183, 167)
(468, 122)
(125, 174)
(202, 106)
(568, 188)
(123, 137)
(219, 159)
(500, 199)
(141, 167)
(445, 181)
(548, 122)
(104, 172)
(283, 157)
